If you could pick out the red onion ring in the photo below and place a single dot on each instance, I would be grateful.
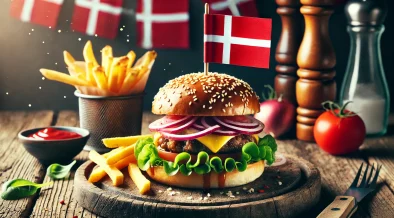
(180, 128)
(197, 125)
(158, 124)
(254, 122)
(191, 136)
(221, 131)
(241, 130)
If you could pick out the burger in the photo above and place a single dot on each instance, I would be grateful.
(207, 138)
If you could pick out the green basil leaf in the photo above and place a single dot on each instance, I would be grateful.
(57, 171)
(170, 168)
(229, 164)
(268, 140)
(216, 164)
(20, 188)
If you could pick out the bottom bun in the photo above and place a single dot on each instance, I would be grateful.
(234, 178)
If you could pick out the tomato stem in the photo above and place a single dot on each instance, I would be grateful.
(333, 107)
(271, 93)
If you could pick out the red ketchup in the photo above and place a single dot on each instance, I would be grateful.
(54, 134)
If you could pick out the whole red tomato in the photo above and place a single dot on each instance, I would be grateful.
(339, 131)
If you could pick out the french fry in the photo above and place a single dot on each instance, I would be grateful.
(146, 59)
(106, 56)
(122, 141)
(119, 155)
(105, 155)
(64, 78)
(100, 78)
(88, 54)
(139, 180)
(115, 77)
(131, 55)
(118, 67)
(70, 62)
(130, 80)
(114, 173)
(107, 68)
(139, 83)
(89, 73)
(99, 173)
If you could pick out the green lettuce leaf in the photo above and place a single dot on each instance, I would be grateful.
(147, 155)
(170, 168)
(140, 144)
(268, 140)
(216, 164)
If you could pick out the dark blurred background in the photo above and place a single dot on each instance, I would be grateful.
(22, 55)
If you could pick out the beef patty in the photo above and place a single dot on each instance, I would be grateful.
(194, 146)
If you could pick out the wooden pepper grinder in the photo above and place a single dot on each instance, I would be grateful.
(287, 48)
(316, 60)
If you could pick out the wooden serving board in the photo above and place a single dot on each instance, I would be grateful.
(283, 191)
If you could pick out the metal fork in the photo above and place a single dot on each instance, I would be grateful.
(346, 205)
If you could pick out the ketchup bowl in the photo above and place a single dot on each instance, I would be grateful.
(54, 144)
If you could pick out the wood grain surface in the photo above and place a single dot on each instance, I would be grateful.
(282, 185)
(337, 172)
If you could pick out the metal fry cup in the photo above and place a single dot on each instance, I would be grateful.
(109, 116)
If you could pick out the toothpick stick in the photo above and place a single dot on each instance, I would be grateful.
(206, 65)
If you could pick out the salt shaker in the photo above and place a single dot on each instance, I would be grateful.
(365, 82)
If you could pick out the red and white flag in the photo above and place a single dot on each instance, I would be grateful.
(245, 8)
(161, 24)
(99, 17)
(43, 12)
(244, 41)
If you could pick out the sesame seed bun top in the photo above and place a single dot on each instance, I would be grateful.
(200, 94)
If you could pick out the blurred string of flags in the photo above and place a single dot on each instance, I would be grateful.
(154, 18)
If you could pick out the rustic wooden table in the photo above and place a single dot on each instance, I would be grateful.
(337, 172)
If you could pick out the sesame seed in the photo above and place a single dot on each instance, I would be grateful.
(190, 103)
(210, 108)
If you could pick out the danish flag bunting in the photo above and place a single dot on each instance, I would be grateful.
(245, 8)
(43, 12)
(244, 41)
(161, 24)
(99, 17)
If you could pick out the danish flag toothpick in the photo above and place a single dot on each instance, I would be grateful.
(161, 24)
(233, 7)
(244, 41)
(43, 12)
(99, 17)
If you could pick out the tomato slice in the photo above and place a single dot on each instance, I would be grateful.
(170, 156)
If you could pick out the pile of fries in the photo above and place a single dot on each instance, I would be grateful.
(121, 157)
(116, 76)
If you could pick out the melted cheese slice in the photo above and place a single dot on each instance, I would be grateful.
(215, 142)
